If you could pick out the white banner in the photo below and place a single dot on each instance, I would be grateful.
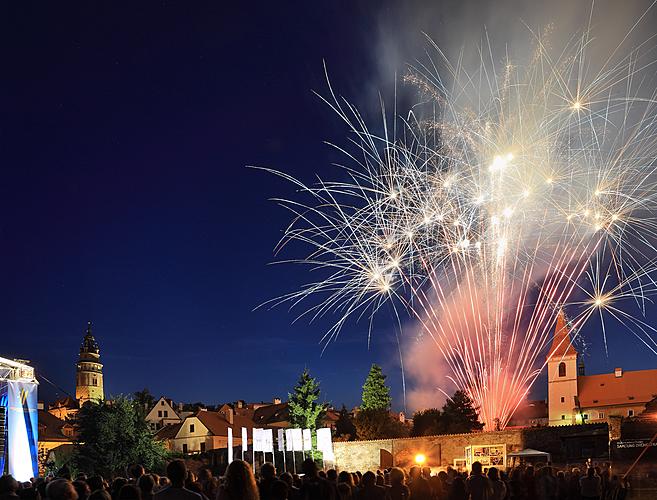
(281, 440)
(230, 445)
(268, 441)
(297, 440)
(258, 440)
(245, 440)
(289, 441)
(307, 440)
(324, 441)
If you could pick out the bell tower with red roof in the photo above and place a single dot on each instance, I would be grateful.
(562, 375)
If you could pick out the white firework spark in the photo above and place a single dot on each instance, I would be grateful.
(501, 198)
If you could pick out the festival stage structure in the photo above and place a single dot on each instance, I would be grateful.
(18, 420)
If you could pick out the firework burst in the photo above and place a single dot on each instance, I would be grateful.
(505, 195)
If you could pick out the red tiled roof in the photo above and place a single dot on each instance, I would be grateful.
(218, 425)
(66, 402)
(51, 428)
(168, 431)
(607, 389)
(561, 343)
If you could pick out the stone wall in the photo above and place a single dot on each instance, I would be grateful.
(442, 450)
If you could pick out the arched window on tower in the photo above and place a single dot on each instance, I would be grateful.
(562, 369)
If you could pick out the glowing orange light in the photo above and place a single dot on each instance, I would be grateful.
(420, 459)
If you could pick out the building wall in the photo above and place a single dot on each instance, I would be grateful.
(193, 439)
(611, 411)
(89, 381)
(442, 450)
(161, 414)
(561, 413)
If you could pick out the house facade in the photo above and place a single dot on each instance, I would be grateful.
(574, 397)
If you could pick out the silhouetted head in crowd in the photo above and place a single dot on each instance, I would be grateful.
(82, 489)
(240, 482)
(287, 478)
(332, 475)
(8, 485)
(369, 479)
(146, 484)
(279, 490)
(100, 495)
(414, 473)
(493, 474)
(61, 489)
(396, 476)
(129, 492)
(267, 471)
(309, 467)
(136, 471)
(205, 475)
(346, 477)
(476, 468)
(590, 472)
(96, 483)
(177, 473)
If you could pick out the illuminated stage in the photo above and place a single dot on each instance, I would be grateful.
(18, 420)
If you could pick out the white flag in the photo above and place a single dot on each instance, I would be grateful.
(281, 440)
(289, 439)
(268, 441)
(324, 442)
(230, 444)
(297, 440)
(307, 440)
(245, 440)
(257, 440)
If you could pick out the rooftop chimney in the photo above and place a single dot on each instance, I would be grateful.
(277, 401)
(230, 416)
(180, 407)
(618, 372)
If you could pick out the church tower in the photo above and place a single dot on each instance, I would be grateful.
(562, 375)
(89, 377)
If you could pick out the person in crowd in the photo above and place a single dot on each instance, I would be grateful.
(82, 488)
(239, 483)
(100, 495)
(344, 492)
(117, 484)
(478, 484)
(146, 484)
(8, 488)
(61, 489)
(129, 492)
(279, 490)
(497, 485)
(313, 487)
(398, 489)
(370, 490)
(267, 479)
(457, 490)
(332, 475)
(177, 473)
(590, 485)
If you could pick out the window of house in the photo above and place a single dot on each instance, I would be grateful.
(95, 382)
(562, 369)
(191, 427)
(161, 403)
(601, 414)
(166, 413)
(630, 413)
(585, 416)
(563, 417)
(184, 447)
(202, 447)
(159, 413)
(563, 400)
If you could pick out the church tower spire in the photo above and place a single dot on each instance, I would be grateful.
(562, 375)
(89, 377)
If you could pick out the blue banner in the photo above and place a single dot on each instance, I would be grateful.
(22, 430)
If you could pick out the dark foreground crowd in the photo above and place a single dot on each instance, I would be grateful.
(239, 483)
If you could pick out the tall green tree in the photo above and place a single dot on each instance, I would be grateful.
(344, 425)
(145, 399)
(113, 435)
(306, 412)
(376, 394)
(459, 415)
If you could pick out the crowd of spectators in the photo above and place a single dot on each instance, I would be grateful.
(240, 483)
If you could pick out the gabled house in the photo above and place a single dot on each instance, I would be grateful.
(162, 414)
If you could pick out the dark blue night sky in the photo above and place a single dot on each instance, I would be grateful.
(125, 197)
